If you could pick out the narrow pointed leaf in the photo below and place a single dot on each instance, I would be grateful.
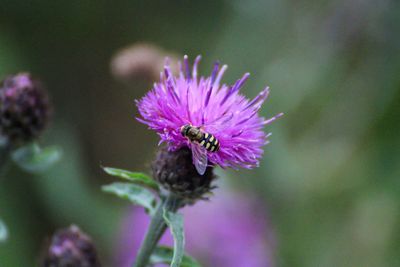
(134, 193)
(3, 232)
(134, 177)
(175, 223)
(164, 255)
(32, 158)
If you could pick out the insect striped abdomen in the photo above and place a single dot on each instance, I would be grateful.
(209, 142)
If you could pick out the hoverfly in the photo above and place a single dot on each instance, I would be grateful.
(200, 143)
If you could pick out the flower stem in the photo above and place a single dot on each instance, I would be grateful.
(4, 154)
(156, 229)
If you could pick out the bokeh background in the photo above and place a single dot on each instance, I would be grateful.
(329, 180)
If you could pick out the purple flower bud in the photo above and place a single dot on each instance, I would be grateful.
(175, 172)
(24, 108)
(71, 247)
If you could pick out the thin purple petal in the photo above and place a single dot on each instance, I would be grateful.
(219, 109)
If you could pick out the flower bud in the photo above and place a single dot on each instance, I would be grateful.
(71, 247)
(24, 108)
(139, 62)
(175, 171)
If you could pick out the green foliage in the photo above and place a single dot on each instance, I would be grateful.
(164, 255)
(134, 177)
(3, 231)
(136, 190)
(175, 223)
(134, 193)
(34, 159)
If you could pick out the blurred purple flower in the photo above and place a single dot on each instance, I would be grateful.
(219, 109)
(229, 231)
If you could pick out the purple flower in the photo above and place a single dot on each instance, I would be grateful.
(229, 231)
(218, 109)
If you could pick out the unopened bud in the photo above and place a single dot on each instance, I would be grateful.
(71, 248)
(140, 62)
(24, 108)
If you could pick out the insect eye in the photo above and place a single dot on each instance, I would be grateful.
(184, 130)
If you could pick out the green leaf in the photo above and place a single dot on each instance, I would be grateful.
(134, 177)
(32, 158)
(134, 193)
(175, 223)
(164, 254)
(3, 232)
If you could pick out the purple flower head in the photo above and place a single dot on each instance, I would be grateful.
(216, 108)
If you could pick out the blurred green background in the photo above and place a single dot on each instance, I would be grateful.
(329, 178)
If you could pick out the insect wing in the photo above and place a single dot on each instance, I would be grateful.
(200, 160)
